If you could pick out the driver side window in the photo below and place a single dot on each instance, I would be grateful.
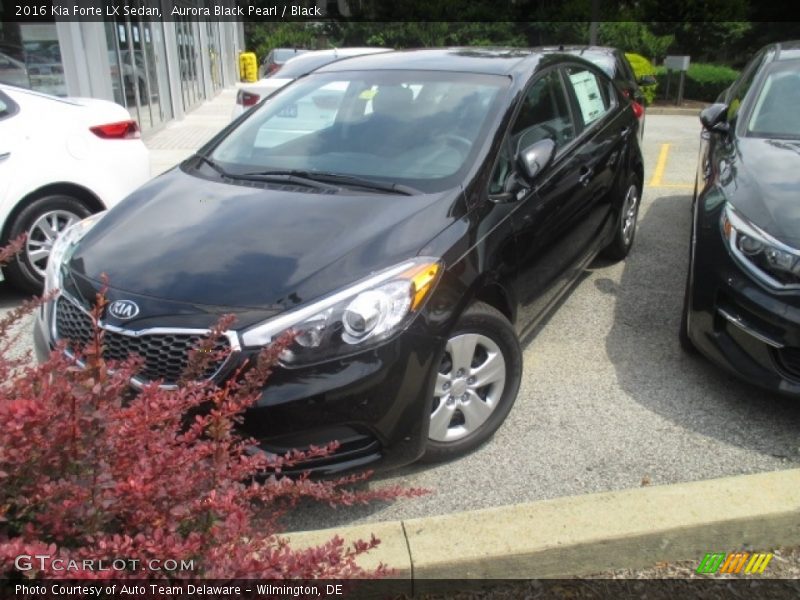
(544, 113)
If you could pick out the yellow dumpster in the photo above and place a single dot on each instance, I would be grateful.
(248, 66)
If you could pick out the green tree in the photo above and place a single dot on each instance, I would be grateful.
(263, 37)
(636, 37)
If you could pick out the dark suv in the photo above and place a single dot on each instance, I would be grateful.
(409, 215)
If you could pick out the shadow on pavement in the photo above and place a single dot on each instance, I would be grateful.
(651, 368)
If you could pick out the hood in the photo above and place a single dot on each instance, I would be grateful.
(182, 238)
(763, 185)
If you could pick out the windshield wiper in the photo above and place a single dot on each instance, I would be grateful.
(345, 180)
(213, 165)
(296, 177)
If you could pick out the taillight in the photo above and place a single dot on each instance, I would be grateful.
(122, 130)
(247, 98)
(638, 109)
(273, 68)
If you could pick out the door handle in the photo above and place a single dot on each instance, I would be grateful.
(585, 175)
(4, 155)
(624, 132)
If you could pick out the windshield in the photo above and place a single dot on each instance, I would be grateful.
(775, 113)
(419, 129)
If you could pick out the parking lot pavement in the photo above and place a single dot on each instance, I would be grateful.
(179, 139)
(608, 400)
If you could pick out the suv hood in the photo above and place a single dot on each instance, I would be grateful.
(763, 186)
(182, 238)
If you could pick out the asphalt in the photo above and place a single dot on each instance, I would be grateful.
(608, 401)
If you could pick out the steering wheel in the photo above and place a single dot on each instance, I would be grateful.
(456, 140)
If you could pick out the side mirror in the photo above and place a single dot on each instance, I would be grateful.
(647, 80)
(714, 117)
(535, 158)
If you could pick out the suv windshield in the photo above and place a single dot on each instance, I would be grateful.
(408, 127)
(775, 113)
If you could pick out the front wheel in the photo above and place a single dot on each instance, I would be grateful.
(42, 221)
(625, 228)
(477, 383)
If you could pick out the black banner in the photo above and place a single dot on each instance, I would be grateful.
(276, 11)
(244, 589)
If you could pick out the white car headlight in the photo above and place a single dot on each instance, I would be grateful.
(63, 248)
(769, 259)
(352, 319)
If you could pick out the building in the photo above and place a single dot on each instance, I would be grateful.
(158, 70)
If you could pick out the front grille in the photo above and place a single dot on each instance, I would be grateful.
(788, 360)
(165, 355)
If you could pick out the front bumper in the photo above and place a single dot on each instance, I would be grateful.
(737, 322)
(375, 404)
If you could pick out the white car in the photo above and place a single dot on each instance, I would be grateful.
(61, 159)
(252, 94)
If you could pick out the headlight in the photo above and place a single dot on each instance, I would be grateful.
(769, 259)
(355, 318)
(63, 248)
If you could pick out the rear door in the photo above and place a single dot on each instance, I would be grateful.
(605, 131)
(544, 224)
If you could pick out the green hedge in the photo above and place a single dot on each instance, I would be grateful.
(641, 67)
(703, 81)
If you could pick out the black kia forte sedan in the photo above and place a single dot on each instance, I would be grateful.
(409, 215)
(742, 302)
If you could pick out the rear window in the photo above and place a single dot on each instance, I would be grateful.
(297, 67)
(283, 54)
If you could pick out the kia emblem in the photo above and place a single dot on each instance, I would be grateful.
(123, 309)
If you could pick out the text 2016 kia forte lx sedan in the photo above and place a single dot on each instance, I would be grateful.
(409, 222)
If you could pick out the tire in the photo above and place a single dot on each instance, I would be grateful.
(687, 345)
(485, 338)
(39, 220)
(625, 227)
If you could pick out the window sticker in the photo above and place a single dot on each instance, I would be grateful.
(589, 96)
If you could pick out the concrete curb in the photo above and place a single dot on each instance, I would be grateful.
(580, 535)
(673, 110)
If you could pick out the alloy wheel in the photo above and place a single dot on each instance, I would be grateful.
(469, 386)
(43, 233)
(630, 209)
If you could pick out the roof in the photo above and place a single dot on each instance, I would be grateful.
(492, 61)
(577, 49)
(788, 50)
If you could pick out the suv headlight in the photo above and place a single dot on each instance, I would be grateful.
(63, 248)
(770, 260)
(355, 318)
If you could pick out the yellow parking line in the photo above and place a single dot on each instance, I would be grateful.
(682, 186)
(658, 173)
